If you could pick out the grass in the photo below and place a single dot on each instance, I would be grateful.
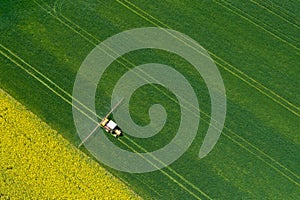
(256, 51)
(39, 162)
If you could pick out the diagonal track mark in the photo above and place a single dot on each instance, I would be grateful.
(208, 117)
(233, 70)
(70, 102)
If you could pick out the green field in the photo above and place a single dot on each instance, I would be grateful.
(256, 47)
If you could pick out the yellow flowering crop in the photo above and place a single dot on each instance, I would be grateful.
(38, 163)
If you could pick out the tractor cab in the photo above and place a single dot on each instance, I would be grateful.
(111, 127)
(108, 125)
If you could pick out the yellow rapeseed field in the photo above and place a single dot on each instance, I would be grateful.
(38, 163)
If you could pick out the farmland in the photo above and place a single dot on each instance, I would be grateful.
(38, 162)
(255, 45)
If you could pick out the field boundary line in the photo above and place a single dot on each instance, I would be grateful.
(224, 67)
(122, 63)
